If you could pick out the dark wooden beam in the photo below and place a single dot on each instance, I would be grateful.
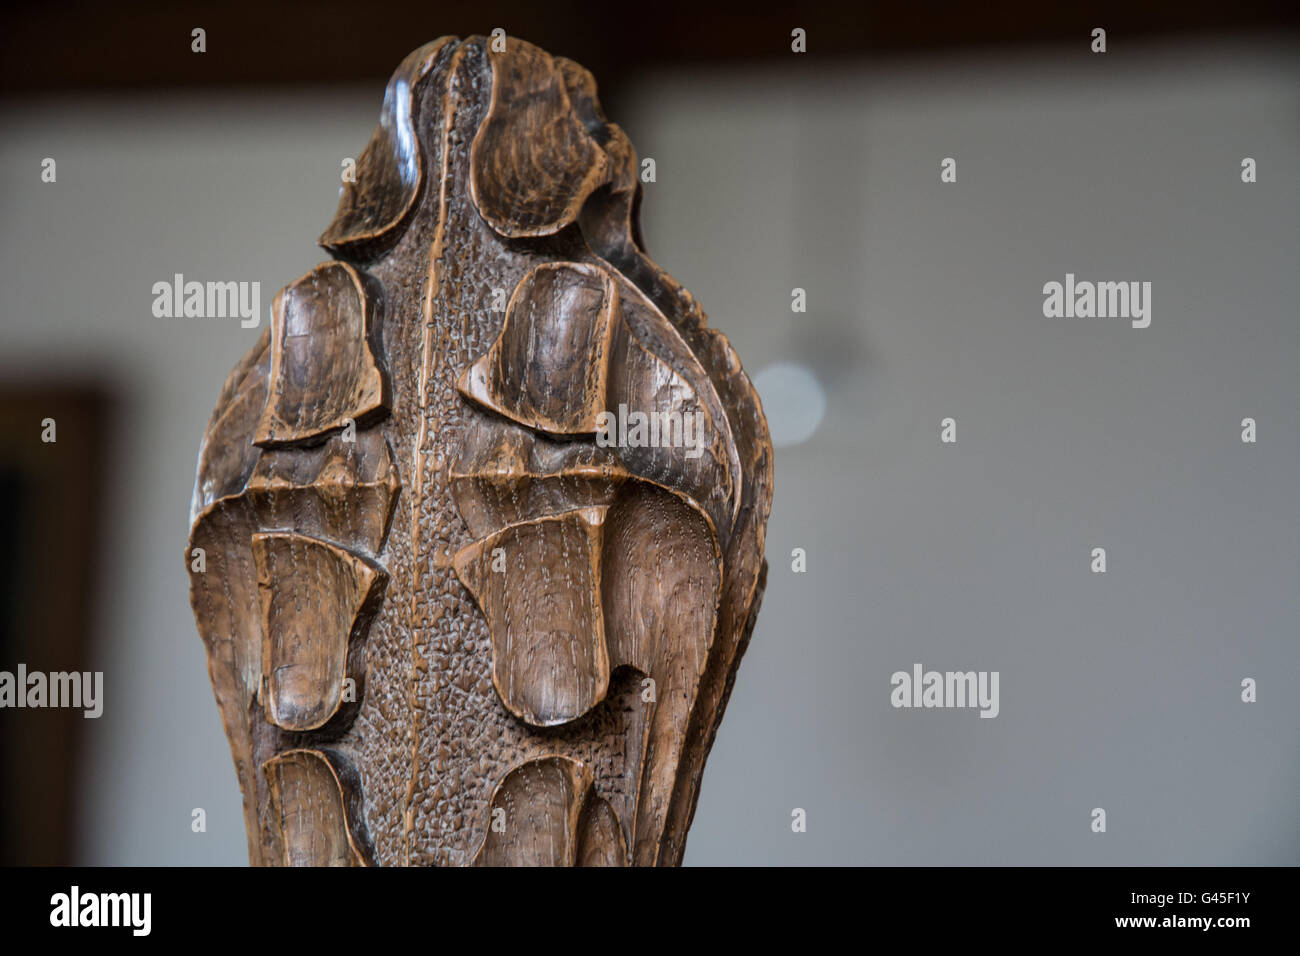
(146, 45)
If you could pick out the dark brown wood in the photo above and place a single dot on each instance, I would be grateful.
(482, 513)
(251, 43)
(51, 534)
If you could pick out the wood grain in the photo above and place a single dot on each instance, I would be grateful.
(323, 371)
(317, 602)
(310, 793)
(407, 490)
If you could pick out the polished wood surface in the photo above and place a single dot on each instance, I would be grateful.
(481, 516)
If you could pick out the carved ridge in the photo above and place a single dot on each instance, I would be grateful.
(313, 796)
(390, 170)
(546, 812)
(309, 649)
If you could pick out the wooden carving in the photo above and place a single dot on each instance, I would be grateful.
(481, 515)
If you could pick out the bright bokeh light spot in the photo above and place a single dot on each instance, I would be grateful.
(793, 401)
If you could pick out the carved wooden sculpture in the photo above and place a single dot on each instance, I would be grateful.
(482, 513)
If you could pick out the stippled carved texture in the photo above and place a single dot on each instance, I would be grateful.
(482, 514)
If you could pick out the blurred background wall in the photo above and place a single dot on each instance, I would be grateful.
(1119, 691)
